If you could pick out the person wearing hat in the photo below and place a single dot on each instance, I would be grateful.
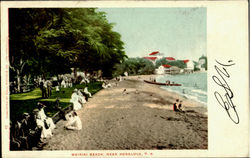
(33, 132)
(74, 122)
(46, 130)
(47, 120)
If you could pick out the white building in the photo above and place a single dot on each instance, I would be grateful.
(200, 63)
(190, 66)
(160, 70)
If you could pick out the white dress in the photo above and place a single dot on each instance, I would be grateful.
(81, 97)
(75, 101)
(74, 123)
(41, 114)
(45, 132)
(63, 84)
(87, 92)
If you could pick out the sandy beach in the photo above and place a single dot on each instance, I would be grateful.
(140, 118)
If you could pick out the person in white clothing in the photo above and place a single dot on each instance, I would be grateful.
(41, 114)
(75, 100)
(106, 85)
(74, 122)
(87, 92)
(57, 89)
(81, 97)
(126, 74)
(63, 84)
(46, 131)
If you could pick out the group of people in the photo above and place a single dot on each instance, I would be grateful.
(177, 106)
(79, 97)
(46, 88)
(31, 130)
(66, 83)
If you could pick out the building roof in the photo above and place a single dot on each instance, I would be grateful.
(150, 58)
(185, 61)
(166, 66)
(170, 58)
(153, 53)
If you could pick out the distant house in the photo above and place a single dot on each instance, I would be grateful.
(154, 56)
(170, 58)
(152, 59)
(174, 70)
(167, 68)
(190, 66)
(201, 62)
(186, 61)
(160, 70)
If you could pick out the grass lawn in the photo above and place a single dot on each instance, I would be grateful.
(26, 102)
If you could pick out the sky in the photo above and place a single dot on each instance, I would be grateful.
(175, 32)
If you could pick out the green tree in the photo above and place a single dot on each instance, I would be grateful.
(50, 41)
(135, 66)
(178, 63)
(203, 57)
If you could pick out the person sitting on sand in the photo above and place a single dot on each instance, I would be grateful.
(106, 85)
(120, 78)
(175, 105)
(74, 122)
(180, 106)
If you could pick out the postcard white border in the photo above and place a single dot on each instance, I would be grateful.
(227, 39)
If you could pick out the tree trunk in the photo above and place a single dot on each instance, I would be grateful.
(18, 80)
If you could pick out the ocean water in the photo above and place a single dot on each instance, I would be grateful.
(194, 85)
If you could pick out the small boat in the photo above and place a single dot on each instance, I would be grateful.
(164, 84)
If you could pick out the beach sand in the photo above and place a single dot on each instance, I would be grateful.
(140, 118)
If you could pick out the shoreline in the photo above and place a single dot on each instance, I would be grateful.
(134, 115)
(192, 104)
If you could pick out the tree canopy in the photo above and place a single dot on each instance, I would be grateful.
(178, 63)
(135, 66)
(50, 41)
(204, 65)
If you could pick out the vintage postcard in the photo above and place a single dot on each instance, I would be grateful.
(125, 79)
